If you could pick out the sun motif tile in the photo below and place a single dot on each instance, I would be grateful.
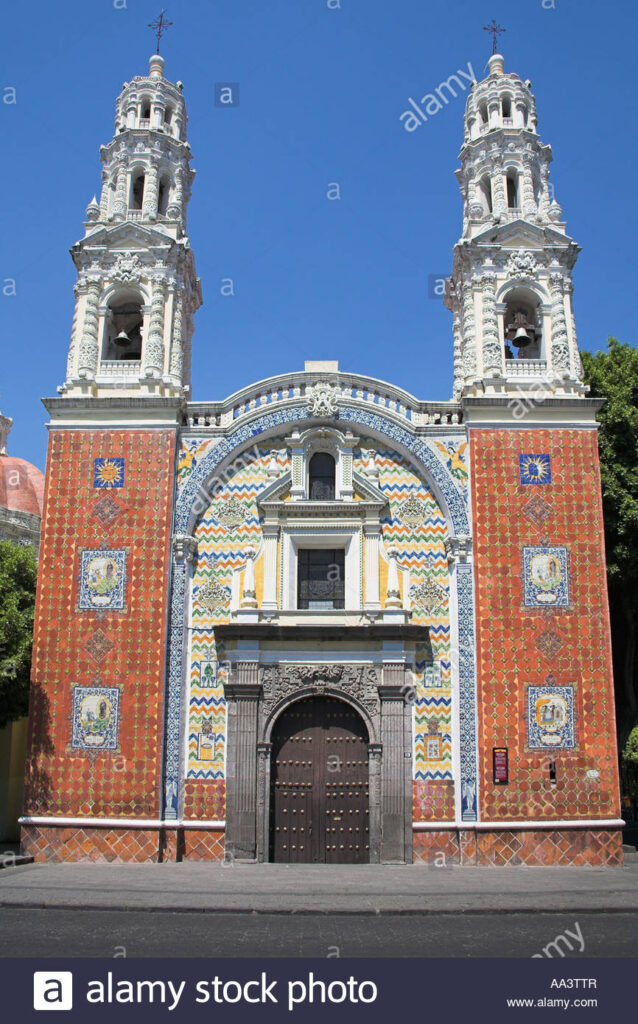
(102, 579)
(108, 473)
(95, 722)
(535, 469)
(545, 577)
(550, 717)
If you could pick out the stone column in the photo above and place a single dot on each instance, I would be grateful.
(396, 770)
(560, 341)
(242, 697)
(492, 348)
(264, 751)
(177, 352)
(393, 595)
(372, 541)
(545, 200)
(88, 354)
(458, 349)
(499, 193)
(375, 752)
(149, 210)
(70, 362)
(270, 535)
(104, 197)
(175, 207)
(154, 347)
(469, 333)
(249, 599)
(120, 203)
(528, 202)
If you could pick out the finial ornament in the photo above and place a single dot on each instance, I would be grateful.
(495, 31)
(160, 26)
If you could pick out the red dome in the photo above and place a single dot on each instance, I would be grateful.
(21, 486)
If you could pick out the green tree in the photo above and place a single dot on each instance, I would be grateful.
(613, 375)
(18, 572)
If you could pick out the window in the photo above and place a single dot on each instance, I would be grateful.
(512, 190)
(507, 107)
(483, 113)
(163, 193)
(168, 115)
(320, 578)
(485, 194)
(321, 477)
(137, 191)
(145, 110)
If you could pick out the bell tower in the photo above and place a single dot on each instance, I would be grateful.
(137, 289)
(511, 289)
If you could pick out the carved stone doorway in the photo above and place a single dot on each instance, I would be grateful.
(319, 784)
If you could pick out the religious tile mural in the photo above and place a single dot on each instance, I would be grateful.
(550, 717)
(95, 717)
(546, 577)
(102, 579)
(108, 473)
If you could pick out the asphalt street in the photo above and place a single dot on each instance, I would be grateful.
(42, 932)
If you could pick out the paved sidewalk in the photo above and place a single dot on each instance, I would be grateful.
(278, 888)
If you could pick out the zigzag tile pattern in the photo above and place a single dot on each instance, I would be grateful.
(421, 549)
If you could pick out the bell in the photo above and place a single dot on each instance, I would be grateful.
(121, 339)
(521, 339)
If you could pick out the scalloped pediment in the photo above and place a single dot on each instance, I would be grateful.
(523, 234)
(126, 235)
(279, 490)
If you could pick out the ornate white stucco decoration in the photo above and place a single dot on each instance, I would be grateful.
(127, 267)
(521, 264)
(428, 595)
(360, 681)
(413, 511)
(322, 399)
(212, 595)
(230, 513)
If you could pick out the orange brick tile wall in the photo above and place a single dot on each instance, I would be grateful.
(511, 650)
(123, 649)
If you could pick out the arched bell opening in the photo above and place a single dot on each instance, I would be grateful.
(123, 322)
(523, 332)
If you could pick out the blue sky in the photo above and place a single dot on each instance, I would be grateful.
(321, 93)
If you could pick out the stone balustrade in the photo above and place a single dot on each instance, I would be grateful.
(293, 388)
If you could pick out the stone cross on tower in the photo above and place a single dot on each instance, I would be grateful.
(495, 31)
(160, 26)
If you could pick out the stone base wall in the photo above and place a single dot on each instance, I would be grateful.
(121, 845)
(534, 848)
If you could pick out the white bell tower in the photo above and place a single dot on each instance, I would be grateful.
(137, 289)
(511, 290)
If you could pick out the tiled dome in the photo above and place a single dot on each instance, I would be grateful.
(21, 486)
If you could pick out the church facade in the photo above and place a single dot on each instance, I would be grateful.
(322, 620)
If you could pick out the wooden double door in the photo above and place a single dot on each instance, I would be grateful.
(319, 798)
